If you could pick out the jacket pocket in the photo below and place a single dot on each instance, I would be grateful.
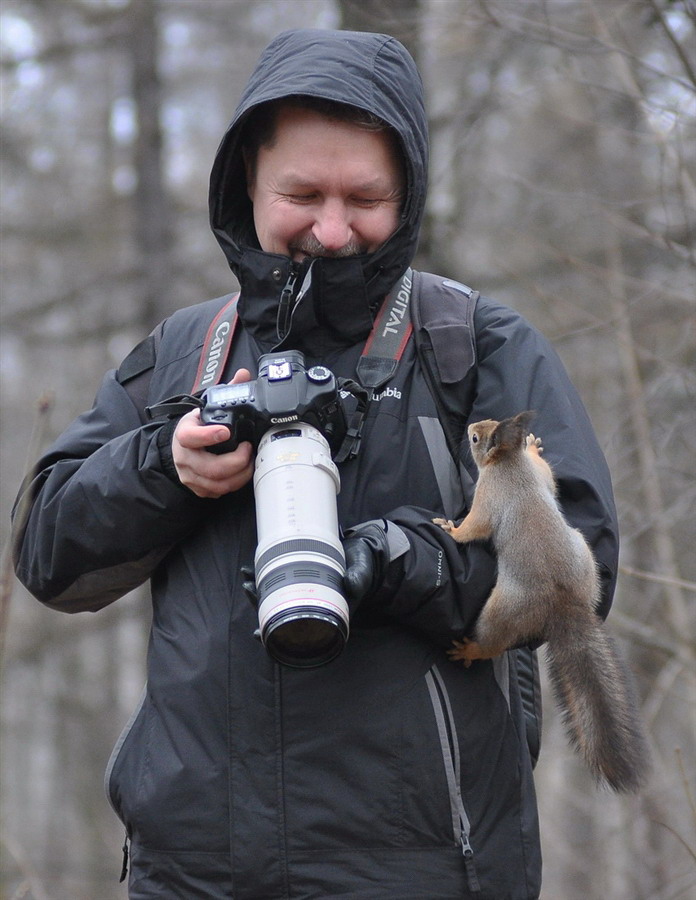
(109, 788)
(449, 745)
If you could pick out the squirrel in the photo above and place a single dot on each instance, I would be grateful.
(548, 590)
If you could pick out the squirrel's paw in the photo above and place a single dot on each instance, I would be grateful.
(446, 524)
(533, 444)
(459, 651)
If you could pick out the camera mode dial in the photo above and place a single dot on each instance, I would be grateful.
(319, 374)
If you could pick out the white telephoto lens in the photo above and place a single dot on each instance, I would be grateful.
(299, 561)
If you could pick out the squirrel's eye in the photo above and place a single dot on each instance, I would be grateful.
(474, 439)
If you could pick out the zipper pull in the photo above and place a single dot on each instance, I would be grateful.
(284, 310)
(468, 852)
(287, 307)
(124, 865)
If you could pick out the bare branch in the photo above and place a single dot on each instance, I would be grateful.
(647, 637)
(659, 579)
(684, 59)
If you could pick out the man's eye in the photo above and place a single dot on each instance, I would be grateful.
(301, 198)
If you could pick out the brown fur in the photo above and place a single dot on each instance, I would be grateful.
(548, 589)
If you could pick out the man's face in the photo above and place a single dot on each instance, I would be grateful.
(324, 187)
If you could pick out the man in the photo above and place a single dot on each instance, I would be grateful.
(390, 772)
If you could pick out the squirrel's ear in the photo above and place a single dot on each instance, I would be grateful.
(524, 419)
(500, 433)
(513, 431)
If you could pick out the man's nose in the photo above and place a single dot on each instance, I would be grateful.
(332, 227)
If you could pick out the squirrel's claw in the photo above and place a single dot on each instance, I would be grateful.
(466, 651)
(446, 524)
(533, 444)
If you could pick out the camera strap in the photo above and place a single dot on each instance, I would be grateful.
(387, 341)
(211, 365)
(377, 365)
(216, 346)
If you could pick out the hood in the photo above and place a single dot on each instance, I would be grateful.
(339, 298)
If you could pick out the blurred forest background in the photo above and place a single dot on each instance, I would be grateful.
(562, 182)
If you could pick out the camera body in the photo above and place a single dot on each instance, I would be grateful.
(286, 391)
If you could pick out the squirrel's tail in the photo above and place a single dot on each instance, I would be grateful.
(593, 689)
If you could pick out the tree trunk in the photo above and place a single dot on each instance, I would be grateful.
(399, 18)
(152, 208)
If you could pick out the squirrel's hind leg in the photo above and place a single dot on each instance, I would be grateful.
(496, 631)
(467, 651)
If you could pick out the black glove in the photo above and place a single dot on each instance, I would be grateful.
(367, 560)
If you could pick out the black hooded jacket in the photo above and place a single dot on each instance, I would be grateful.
(389, 773)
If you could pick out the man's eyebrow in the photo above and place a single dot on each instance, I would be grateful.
(379, 183)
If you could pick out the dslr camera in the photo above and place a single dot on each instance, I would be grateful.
(295, 419)
(284, 392)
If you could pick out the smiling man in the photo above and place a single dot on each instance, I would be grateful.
(389, 772)
(324, 184)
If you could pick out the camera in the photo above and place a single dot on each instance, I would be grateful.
(284, 392)
(295, 418)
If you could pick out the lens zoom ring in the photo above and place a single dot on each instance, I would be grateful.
(300, 545)
(294, 573)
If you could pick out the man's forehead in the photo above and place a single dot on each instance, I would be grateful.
(373, 154)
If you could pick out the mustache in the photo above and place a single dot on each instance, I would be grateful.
(310, 246)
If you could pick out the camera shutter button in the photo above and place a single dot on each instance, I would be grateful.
(319, 374)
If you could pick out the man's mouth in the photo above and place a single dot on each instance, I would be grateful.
(312, 249)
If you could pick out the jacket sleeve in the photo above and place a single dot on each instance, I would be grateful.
(438, 586)
(99, 512)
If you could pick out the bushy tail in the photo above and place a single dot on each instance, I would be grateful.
(593, 689)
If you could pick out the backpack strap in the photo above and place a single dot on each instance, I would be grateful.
(135, 372)
(529, 681)
(443, 319)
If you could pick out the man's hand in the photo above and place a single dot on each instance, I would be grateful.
(205, 473)
(367, 560)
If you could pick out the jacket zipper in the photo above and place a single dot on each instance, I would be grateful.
(450, 754)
